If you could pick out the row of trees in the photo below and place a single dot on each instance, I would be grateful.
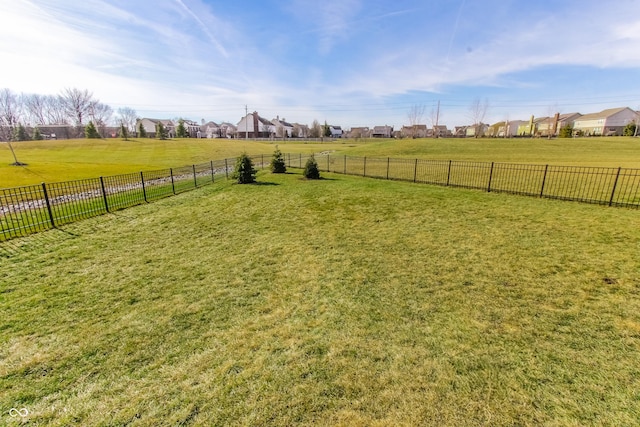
(72, 107)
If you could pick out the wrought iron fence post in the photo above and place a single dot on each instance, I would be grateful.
(544, 179)
(388, 161)
(173, 185)
(104, 195)
(195, 178)
(226, 168)
(345, 164)
(300, 161)
(449, 173)
(144, 190)
(213, 178)
(615, 184)
(415, 171)
(328, 164)
(364, 167)
(46, 199)
(490, 177)
(262, 160)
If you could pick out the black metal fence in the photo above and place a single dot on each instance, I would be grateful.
(33, 208)
(29, 209)
(598, 185)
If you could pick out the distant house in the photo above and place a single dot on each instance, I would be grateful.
(441, 131)
(228, 130)
(254, 126)
(336, 131)
(476, 131)
(150, 126)
(382, 132)
(567, 119)
(210, 130)
(414, 131)
(359, 132)
(300, 131)
(605, 123)
(282, 128)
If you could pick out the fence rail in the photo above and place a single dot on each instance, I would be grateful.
(30, 209)
(598, 185)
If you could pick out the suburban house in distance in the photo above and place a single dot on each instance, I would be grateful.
(415, 131)
(359, 132)
(150, 126)
(282, 128)
(209, 130)
(382, 131)
(228, 130)
(605, 123)
(254, 126)
(336, 131)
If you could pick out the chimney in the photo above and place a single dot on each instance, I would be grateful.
(256, 128)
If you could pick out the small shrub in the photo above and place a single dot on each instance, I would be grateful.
(91, 132)
(277, 162)
(20, 133)
(311, 170)
(244, 173)
(37, 136)
(566, 132)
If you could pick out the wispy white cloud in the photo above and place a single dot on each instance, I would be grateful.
(204, 29)
(196, 54)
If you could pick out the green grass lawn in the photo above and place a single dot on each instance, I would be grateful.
(54, 161)
(65, 160)
(608, 152)
(346, 301)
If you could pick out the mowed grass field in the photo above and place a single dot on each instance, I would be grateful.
(345, 301)
(54, 161)
(66, 160)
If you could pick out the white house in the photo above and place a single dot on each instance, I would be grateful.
(150, 126)
(282, 128)
(605, 123)
(336, 131)
(254, 126)
(209, 130)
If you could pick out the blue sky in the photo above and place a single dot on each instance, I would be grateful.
(349, 62)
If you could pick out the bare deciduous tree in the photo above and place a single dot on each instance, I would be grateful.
(77, 103)
(477, 113)
(316, 130)
(100, 114)
(56, 114)
(35, 107)
(128, 117)
(9, 118)
(415, 116)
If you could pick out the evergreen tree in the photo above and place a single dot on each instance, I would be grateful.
(244, 173)
(566, 131)
(142, 132)
(326, 130)
(91, 132)
(20, 133)
(123, 132)
(161, 132)
(629, 129)
(37, 136)
(277, 162)
(181, 130)
(311, 170)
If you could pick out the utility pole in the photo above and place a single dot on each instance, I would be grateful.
(246, 122)
(437, 118)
